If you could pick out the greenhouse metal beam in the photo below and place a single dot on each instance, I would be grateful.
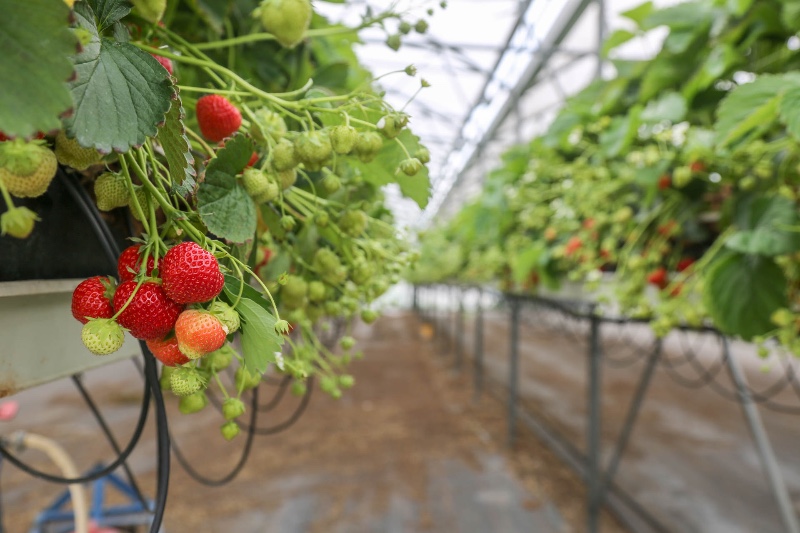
(466, 150)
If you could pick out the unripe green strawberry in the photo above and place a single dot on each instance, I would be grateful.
(322, 219)
(219, 359)
(143, 198)
(150, 10)
(245, 380)
(287, 178)
(330, 268)
(26, 168)
(346, 381)
(17, 222)
(369, 316)
(299, 388)
(225, 314)
(343, 139)
(111, 191)
(330, 385)
(362, 272)
(194, 403)
(102, 336)
(410, 167)
(284, 155)
(288, 222)
(316, 291)
(333, 308)
(166, 373)
(229, 430)
(259, 186)
(394, 41)
(392, 125)
(287, 20)
(267, 125)
(404, 28)
(421, 26)
(347, 342)
(681, 177)
(185, 381)
(232, 408)
(72, 154)
(423, 155)
(313, 148)
(331, 182)
(368, 146)
(293, 294)
(353, 222)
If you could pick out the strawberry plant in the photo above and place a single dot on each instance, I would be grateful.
(676, 181)
(249, 147)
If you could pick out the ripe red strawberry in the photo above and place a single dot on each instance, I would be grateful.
(92, 299)
(165, 62)
(664, 182)
(166, 350)
(573, 245)
(199, 333)
(150, 315)
(217, 117)
(658, 277)
(697, 166)
(190, 274)
(684, 263)
(129, 262)
(253, 159)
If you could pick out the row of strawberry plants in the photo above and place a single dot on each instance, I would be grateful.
(676, 181)
(250, 147)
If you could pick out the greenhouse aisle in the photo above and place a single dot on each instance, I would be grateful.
(405, 450)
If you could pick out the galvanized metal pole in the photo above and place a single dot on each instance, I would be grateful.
(478, 348)
(513, 376)
(761, 439)
(593, 430)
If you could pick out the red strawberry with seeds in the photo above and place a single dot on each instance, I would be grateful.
(658, 277)
(129, 262)
(150, 314)
(92, 299)
(684, 263)
(191, 274)
(165, 62)
(199, 333)
(166, 350)
(217, 117)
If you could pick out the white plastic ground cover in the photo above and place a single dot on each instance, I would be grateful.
(40, 341)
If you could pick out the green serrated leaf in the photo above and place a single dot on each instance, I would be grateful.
(760, 290)
(234, 156)
(768, 227)
(615, 39)
(790, 111)
(621, 132)
(109, 11)
(173, 140)
(752, 106)
(225, 207)
(639, 13)
(122, 84)
(260, 342)
(34, 66)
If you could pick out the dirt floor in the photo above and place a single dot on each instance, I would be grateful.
(406, 450)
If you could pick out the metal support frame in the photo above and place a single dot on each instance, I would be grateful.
(459, 335)
(513, 368)
(478, 373)
(594, 498)
(765, 452)
(602, 489)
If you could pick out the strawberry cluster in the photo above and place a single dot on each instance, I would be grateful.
(158, 302)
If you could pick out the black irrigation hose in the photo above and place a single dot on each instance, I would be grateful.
(95, 475)
(109, 436)
(162, 439)
(230, 476)
(276, 400)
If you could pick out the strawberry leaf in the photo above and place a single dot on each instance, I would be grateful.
(224, 206)
(33, 69)
(109, 11)
(260, 342)
(122, 84)
(760, 291)
(172, 136)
